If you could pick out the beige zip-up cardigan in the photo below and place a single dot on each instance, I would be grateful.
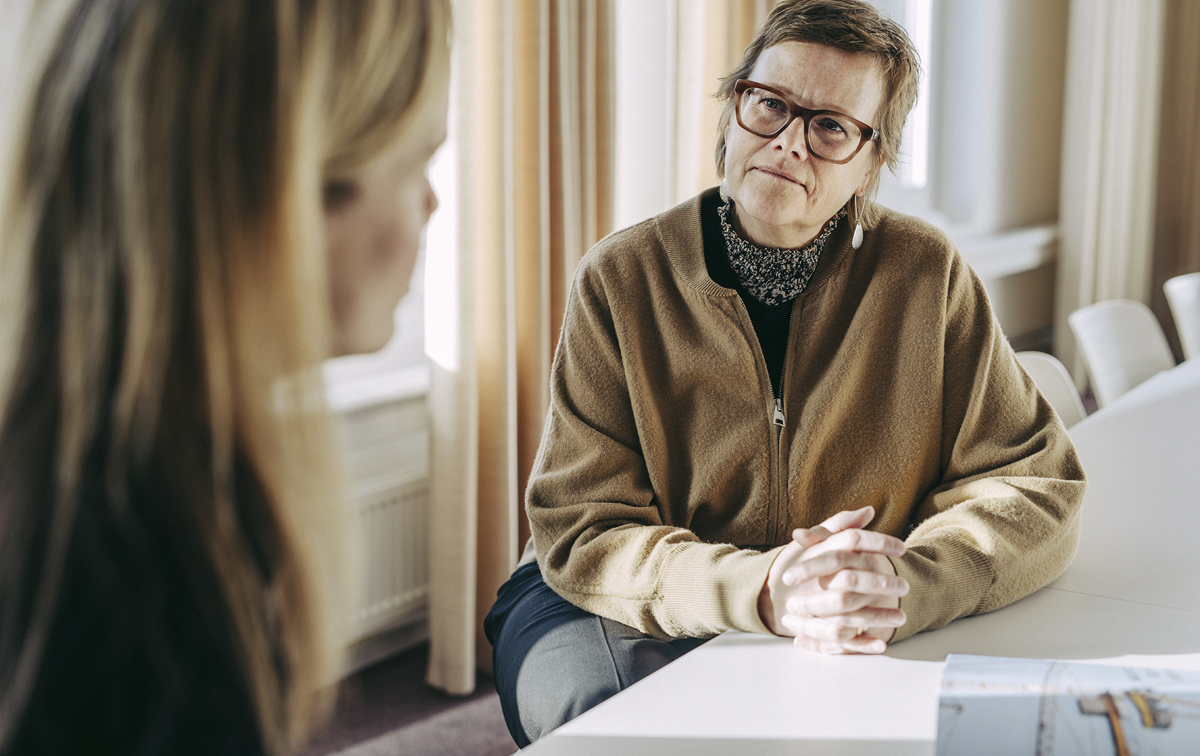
(663, 488)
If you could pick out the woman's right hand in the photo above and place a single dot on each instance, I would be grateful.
(832, 580)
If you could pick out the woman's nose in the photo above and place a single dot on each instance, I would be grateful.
(431, 201)
(792, 139)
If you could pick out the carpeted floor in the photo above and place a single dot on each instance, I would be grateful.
(387, 709)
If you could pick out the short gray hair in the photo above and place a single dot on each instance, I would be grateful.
(852, 26)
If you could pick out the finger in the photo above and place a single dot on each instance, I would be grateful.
(821, 646)
(850, 518)
(835, 603)
(859, 540)
(858, 518)
(819, 629)
(884, 634)
(861, 644)
(865, 615)
(828, 604)
(827, 564)
(869, 582)
(809, 537)
(845, 627)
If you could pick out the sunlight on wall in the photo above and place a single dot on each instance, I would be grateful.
(442, 272)
(916, 16)
(644, 104)
(918, 22)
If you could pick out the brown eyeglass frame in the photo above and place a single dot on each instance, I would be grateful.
(804, 114)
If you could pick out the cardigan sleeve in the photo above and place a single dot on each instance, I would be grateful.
(1004, 520)
(597, 525)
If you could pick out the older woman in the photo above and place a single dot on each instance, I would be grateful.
(780, 408)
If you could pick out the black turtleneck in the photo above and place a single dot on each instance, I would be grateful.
(770, 321)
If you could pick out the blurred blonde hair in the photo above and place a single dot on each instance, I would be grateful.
(164, 310)
(851, 26)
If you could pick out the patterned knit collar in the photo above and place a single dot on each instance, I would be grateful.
(771, 275)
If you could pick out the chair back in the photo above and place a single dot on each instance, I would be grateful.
(1122, 345)
(1055, 383)
(1183, 294)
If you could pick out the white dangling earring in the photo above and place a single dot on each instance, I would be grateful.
(856, 242)
(724, 190)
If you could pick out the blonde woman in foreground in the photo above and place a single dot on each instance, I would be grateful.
(205, 199)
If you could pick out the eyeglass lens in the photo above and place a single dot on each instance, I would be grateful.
(830, 135)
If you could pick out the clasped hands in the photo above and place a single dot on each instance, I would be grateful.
(834, 588)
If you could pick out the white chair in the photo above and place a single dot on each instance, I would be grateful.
(1055, 383)
(1122, 344)
(1183, 294)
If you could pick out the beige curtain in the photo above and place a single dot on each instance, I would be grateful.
(1110, 159)
(711, 37)
(1177, 215)
(534, 135)
(534, 146)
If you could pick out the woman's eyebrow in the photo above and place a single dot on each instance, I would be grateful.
(796, 100)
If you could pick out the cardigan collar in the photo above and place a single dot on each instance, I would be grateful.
(773, 275)
(679, 230)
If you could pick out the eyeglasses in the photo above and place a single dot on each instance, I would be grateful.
(829, 135)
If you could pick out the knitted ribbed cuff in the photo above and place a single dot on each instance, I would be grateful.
(707, 589)
(946, 579)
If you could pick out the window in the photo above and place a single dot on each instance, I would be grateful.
(908, 189)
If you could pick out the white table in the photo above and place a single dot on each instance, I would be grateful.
(1141, 520)
(1132, 596)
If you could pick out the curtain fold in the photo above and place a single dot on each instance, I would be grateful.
(1177, 221)
(1110, 159)
(534, 141)
(711, 37)
(534, 133)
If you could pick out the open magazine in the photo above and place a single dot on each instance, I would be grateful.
(996, 705)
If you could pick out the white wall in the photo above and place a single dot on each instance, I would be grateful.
(999, 114)
(999, 105)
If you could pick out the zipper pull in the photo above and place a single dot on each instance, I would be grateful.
(779, 412)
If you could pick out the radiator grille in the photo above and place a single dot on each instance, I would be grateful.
(387, 457)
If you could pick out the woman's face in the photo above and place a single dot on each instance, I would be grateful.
(373, 225)
(783, 195)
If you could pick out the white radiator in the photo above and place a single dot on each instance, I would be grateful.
(387, 458)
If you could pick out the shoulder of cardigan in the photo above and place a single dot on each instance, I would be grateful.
(681, 236)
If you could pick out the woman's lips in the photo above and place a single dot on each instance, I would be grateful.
(776, 173)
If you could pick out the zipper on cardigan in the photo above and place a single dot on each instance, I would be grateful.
(778, 420)
(781, 484)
